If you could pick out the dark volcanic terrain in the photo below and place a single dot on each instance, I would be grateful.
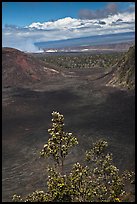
(91, 109)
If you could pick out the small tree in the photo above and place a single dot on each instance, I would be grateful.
(98, 181)
(60, 142)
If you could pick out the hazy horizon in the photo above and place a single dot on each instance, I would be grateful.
(89, 41)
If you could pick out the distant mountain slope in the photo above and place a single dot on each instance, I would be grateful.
(89, 41)
(124, 75)
(19, 68)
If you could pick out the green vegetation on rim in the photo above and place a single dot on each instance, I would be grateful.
(124, 75)
(82, 61)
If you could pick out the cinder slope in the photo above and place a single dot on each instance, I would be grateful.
(20, 69)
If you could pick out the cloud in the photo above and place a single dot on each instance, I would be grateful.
(16, 39)
(101, 22)
(110, 9)
(69, 23)
(63, 23)
(118, 20)
(24, 38)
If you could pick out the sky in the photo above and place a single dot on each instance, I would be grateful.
(26, 23)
